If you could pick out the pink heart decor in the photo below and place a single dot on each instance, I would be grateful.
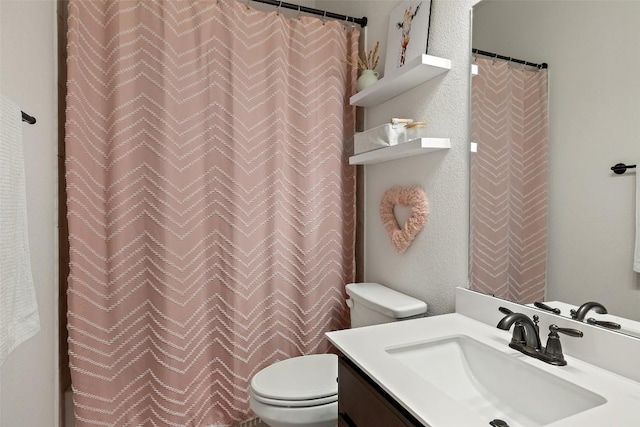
(413, 197)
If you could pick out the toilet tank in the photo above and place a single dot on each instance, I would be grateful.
(373, 303)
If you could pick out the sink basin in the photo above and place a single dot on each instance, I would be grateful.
(494, 384)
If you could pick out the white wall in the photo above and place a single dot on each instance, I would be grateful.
(594, 105)
(437, 261)
(28, 378)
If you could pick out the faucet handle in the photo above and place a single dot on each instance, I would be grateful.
(603, 323)
(567, 331)
(545, 307)
(504, 310)
(553, 350)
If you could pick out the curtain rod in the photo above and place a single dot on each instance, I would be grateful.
(361, 21)
(27, 118)
(544, 65)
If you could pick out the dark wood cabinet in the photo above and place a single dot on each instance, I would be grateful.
(362, 403)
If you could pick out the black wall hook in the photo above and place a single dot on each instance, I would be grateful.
(621, 168)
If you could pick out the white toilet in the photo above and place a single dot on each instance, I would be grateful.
(303, 391)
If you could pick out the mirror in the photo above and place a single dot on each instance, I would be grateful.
(593, 123)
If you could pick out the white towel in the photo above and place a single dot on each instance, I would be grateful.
(636, 257)
(19, 319)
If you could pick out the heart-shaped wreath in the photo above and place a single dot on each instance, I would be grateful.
(414, 197)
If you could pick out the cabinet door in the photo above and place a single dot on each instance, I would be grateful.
(343, 421)
(362, 403)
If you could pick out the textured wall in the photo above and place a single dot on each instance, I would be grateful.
(437, 261)
(28, 392)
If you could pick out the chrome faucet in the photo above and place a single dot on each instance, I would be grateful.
(526, 338)
(582, 311)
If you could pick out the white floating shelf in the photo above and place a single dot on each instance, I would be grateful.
(415, 72)
(406, 149)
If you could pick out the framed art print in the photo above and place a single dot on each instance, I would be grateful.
(408, 33)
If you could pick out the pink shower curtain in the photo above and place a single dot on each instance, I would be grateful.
(509, 182)
(210, 200)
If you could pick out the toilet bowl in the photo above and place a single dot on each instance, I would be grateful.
(303, 391)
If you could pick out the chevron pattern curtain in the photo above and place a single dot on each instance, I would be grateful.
(508, 246)
(210, 200)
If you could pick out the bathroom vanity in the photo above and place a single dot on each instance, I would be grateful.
(452, 370)
(362, 402)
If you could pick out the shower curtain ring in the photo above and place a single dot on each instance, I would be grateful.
(248, 1)
(324, 18)
(278, 9)
(298, 11)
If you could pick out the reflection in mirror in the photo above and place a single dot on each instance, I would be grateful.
(509, 181)
(597, 318)
(588, 223)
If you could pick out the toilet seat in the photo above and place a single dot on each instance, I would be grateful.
(298, 382)
(294, 403)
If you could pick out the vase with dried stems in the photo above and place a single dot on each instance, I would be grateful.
(367, 63)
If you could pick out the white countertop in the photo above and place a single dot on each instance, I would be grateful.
(366, 347)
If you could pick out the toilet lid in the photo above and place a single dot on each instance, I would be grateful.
(298, 379)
